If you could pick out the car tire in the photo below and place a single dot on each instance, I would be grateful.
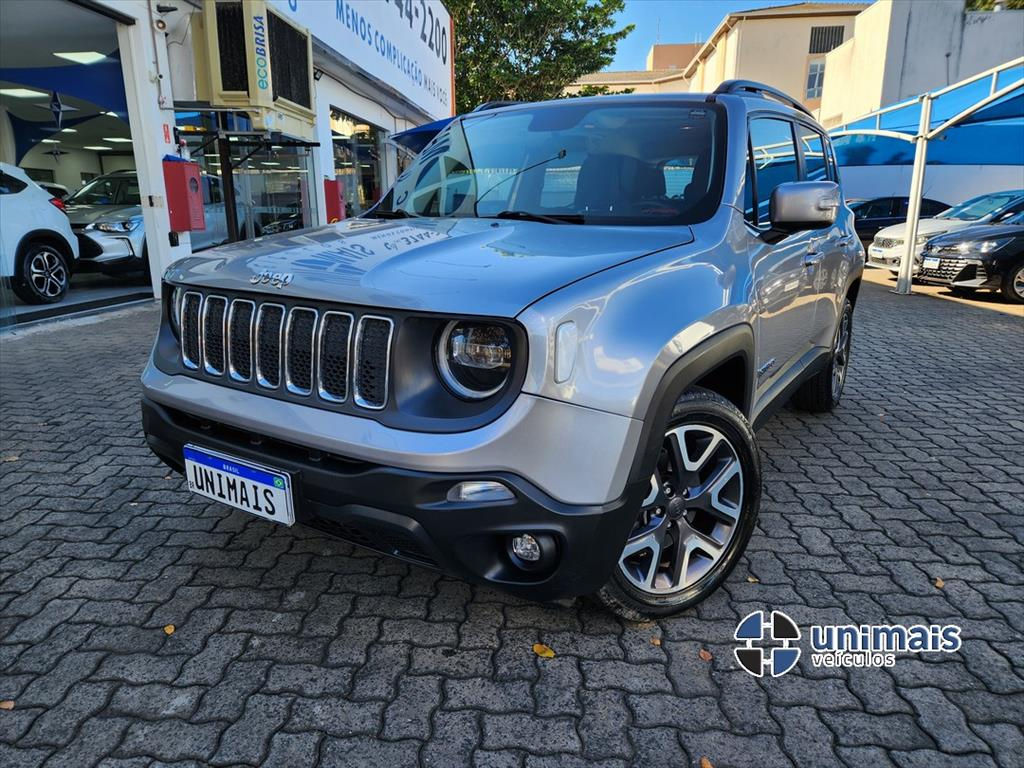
(698, 517)
(822, 392)
(42, 275)
(1013, 283)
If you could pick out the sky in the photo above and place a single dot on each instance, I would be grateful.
(681, 21)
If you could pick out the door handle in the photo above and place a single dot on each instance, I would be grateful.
(845, 242)
(813, 258)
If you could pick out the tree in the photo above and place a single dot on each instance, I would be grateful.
(988, 5)
(529, 50)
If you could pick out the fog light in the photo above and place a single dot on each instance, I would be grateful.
(479, 490)
(527, 548)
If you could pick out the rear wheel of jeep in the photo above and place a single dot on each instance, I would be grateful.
(698, 516)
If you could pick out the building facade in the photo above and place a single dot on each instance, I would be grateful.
(664, 72)
(782, 46)
(901, 48)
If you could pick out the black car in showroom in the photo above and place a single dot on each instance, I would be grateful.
(988, 256)
(881, 212)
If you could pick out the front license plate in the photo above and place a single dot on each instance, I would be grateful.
(874, 251)
(930, 262)
(253, 488)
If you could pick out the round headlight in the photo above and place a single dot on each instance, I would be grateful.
(474, 358)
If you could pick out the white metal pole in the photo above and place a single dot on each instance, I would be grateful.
(903, 284)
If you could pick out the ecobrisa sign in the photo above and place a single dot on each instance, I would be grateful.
(406, 44)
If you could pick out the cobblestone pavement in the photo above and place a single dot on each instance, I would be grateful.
(291, 648)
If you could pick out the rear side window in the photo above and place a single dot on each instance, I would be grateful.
(932, 207)
(10, 185)
(876, 209)
(775, 159)
(818, 163)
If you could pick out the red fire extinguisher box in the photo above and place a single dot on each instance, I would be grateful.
(184, 196)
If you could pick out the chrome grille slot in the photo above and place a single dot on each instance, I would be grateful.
(240, 339)
(372, 352)
(298, 350)
(214, 310)
(332, 356)
(191, 305)
(269, 325)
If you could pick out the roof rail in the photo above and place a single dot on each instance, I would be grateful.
(742, 87)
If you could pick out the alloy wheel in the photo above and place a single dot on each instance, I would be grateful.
(840, 356)
(690, 515)
(1018, 283)
(47, 273)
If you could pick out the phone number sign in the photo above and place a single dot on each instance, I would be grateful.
(406, 44)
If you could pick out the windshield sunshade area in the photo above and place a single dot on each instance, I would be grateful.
(979, 207)
(573, 162)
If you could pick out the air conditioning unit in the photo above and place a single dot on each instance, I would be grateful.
(251, 58)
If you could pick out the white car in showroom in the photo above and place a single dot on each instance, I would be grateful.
(886, 250)
(38, 250)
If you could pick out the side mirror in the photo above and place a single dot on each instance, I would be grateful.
(801, 205)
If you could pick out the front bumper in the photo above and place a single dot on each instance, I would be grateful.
(889, 258)
(106, 251)
(959, 272)
(405, 513)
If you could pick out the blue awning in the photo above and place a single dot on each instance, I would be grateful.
(415, 139)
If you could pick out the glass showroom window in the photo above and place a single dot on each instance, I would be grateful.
(358, 160)
(815, 78)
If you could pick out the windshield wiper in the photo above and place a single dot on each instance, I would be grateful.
(566, 218)
(561, 154)
(399, 214)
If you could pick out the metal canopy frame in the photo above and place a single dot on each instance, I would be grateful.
(926, 133)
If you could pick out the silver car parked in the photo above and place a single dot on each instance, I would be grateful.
(539, 362)
(106, 216)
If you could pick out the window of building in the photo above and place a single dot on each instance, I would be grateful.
(358, 160)
(815, 78)
(39, 174)
(824, 39)
(775, 163)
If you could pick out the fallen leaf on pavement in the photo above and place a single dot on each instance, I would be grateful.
(655, 641)
(751, 580)
(8, 458)
(169, 629)
(544, 651)
(939, 583)
(6, 704)
(705, 654)
(705, 763)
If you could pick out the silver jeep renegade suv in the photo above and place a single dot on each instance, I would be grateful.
(538, 363)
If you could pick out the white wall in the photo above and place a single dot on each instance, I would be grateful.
(946, 183)
(902, 48)
(68, 169)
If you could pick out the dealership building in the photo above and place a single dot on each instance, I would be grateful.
(284, 106)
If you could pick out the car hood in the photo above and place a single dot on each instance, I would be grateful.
(87, 214)
(459, 266)
(924, 227)
(982, 232)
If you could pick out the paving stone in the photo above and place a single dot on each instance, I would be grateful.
(317, 651)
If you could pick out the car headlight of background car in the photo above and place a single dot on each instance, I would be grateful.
(977, 247)
(118, 227)
(474, 358)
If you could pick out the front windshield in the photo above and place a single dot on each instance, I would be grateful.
(979, 207)
(108, 190)
(575, 161)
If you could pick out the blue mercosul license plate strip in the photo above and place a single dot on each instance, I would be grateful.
(234, 467)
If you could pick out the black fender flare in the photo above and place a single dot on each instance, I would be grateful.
(734, 342)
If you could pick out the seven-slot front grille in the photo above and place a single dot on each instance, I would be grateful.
(295, 350)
